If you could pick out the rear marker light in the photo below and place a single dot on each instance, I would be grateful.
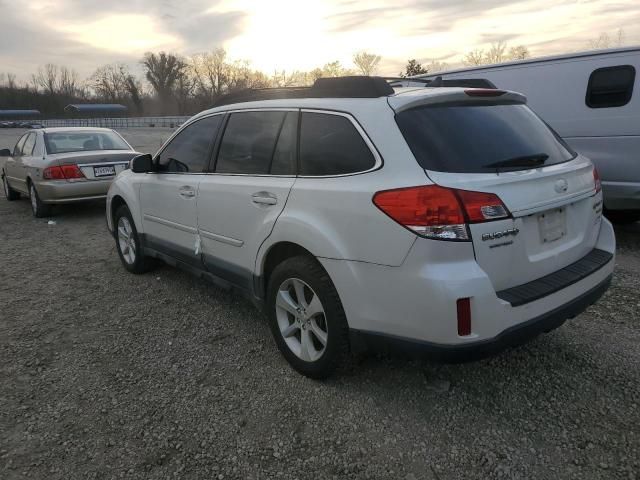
(463, 306)
(596, 179)
(440, 213)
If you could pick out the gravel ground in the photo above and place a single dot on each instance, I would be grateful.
(105, 374)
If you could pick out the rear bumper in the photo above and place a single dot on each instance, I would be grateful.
(417, 300)
(511, 337)
(69, 192)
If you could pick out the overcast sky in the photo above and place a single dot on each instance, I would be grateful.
(297, 34)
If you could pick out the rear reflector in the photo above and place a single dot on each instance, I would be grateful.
(484, 92)
(596, 179)
(437, 212)
(65, 172)
(463, 306)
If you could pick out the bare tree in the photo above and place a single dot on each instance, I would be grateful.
(110, 82)
(68, 82)
(162, 70)
(519, 52)
(211, 72)
(367, 63)
(608, 41)
(297, 78)
(437, 66)
(474, 57)
(497, 52)
(134, 88)
(46, 78)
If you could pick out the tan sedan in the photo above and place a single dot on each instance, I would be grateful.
(63, 165)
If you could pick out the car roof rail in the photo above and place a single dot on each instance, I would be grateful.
(440, 82)
(356, 86)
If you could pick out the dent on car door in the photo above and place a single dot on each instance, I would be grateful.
(168, 197)
(239, 203)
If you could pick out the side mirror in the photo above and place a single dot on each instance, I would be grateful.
(142, 163)
(5, 152)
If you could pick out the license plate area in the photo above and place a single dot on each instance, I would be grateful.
(552, 224)
(108, 171)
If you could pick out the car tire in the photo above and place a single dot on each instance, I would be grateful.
(128, 243)
(9, 193)
(300, 328)
(39, 209)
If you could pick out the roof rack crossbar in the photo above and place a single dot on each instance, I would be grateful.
(331, 87)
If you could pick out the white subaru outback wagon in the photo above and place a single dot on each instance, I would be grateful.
(442, 220)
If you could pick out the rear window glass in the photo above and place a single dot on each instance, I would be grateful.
(65, 142)
(474, 138)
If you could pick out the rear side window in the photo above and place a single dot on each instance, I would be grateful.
(611, 86)
(473, 138)
(259, 143)
(30, 142)
(189, 150)
(331, 145)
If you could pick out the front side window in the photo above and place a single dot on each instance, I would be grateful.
(87, 141)
(611, 86)
(27, 148)
(259, 143)
(189, 150)
(331, 145)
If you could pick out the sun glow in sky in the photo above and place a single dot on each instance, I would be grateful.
(299, 34)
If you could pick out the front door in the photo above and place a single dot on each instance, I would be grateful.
(168, 197)
(239, 203)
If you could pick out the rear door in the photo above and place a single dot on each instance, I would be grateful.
(239, 202)
(13, 166)
(168, 197)
(505, 149)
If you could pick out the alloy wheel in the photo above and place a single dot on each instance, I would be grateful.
(126, 241)
(301, 319)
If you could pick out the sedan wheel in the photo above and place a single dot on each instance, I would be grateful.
(38, 208)
(301, 319)
(126, 241)
(9, 193)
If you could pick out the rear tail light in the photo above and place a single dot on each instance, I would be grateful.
(463, 306)
(65, 172)
(596, 179)
(437, 212)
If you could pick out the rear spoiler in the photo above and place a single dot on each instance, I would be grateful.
(440, 82)
(459, 96)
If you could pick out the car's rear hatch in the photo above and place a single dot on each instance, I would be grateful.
(495, 144)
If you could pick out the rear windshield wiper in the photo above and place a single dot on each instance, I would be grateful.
(533, 160)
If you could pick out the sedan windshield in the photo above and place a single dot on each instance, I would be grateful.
(65, 142)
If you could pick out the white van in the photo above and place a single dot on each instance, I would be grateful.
(588, 98)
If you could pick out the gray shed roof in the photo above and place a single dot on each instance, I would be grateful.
(19, 113)
(95, 108)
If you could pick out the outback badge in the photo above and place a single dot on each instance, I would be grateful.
(504, 233)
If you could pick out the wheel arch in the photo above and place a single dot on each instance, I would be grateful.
(274, 255)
